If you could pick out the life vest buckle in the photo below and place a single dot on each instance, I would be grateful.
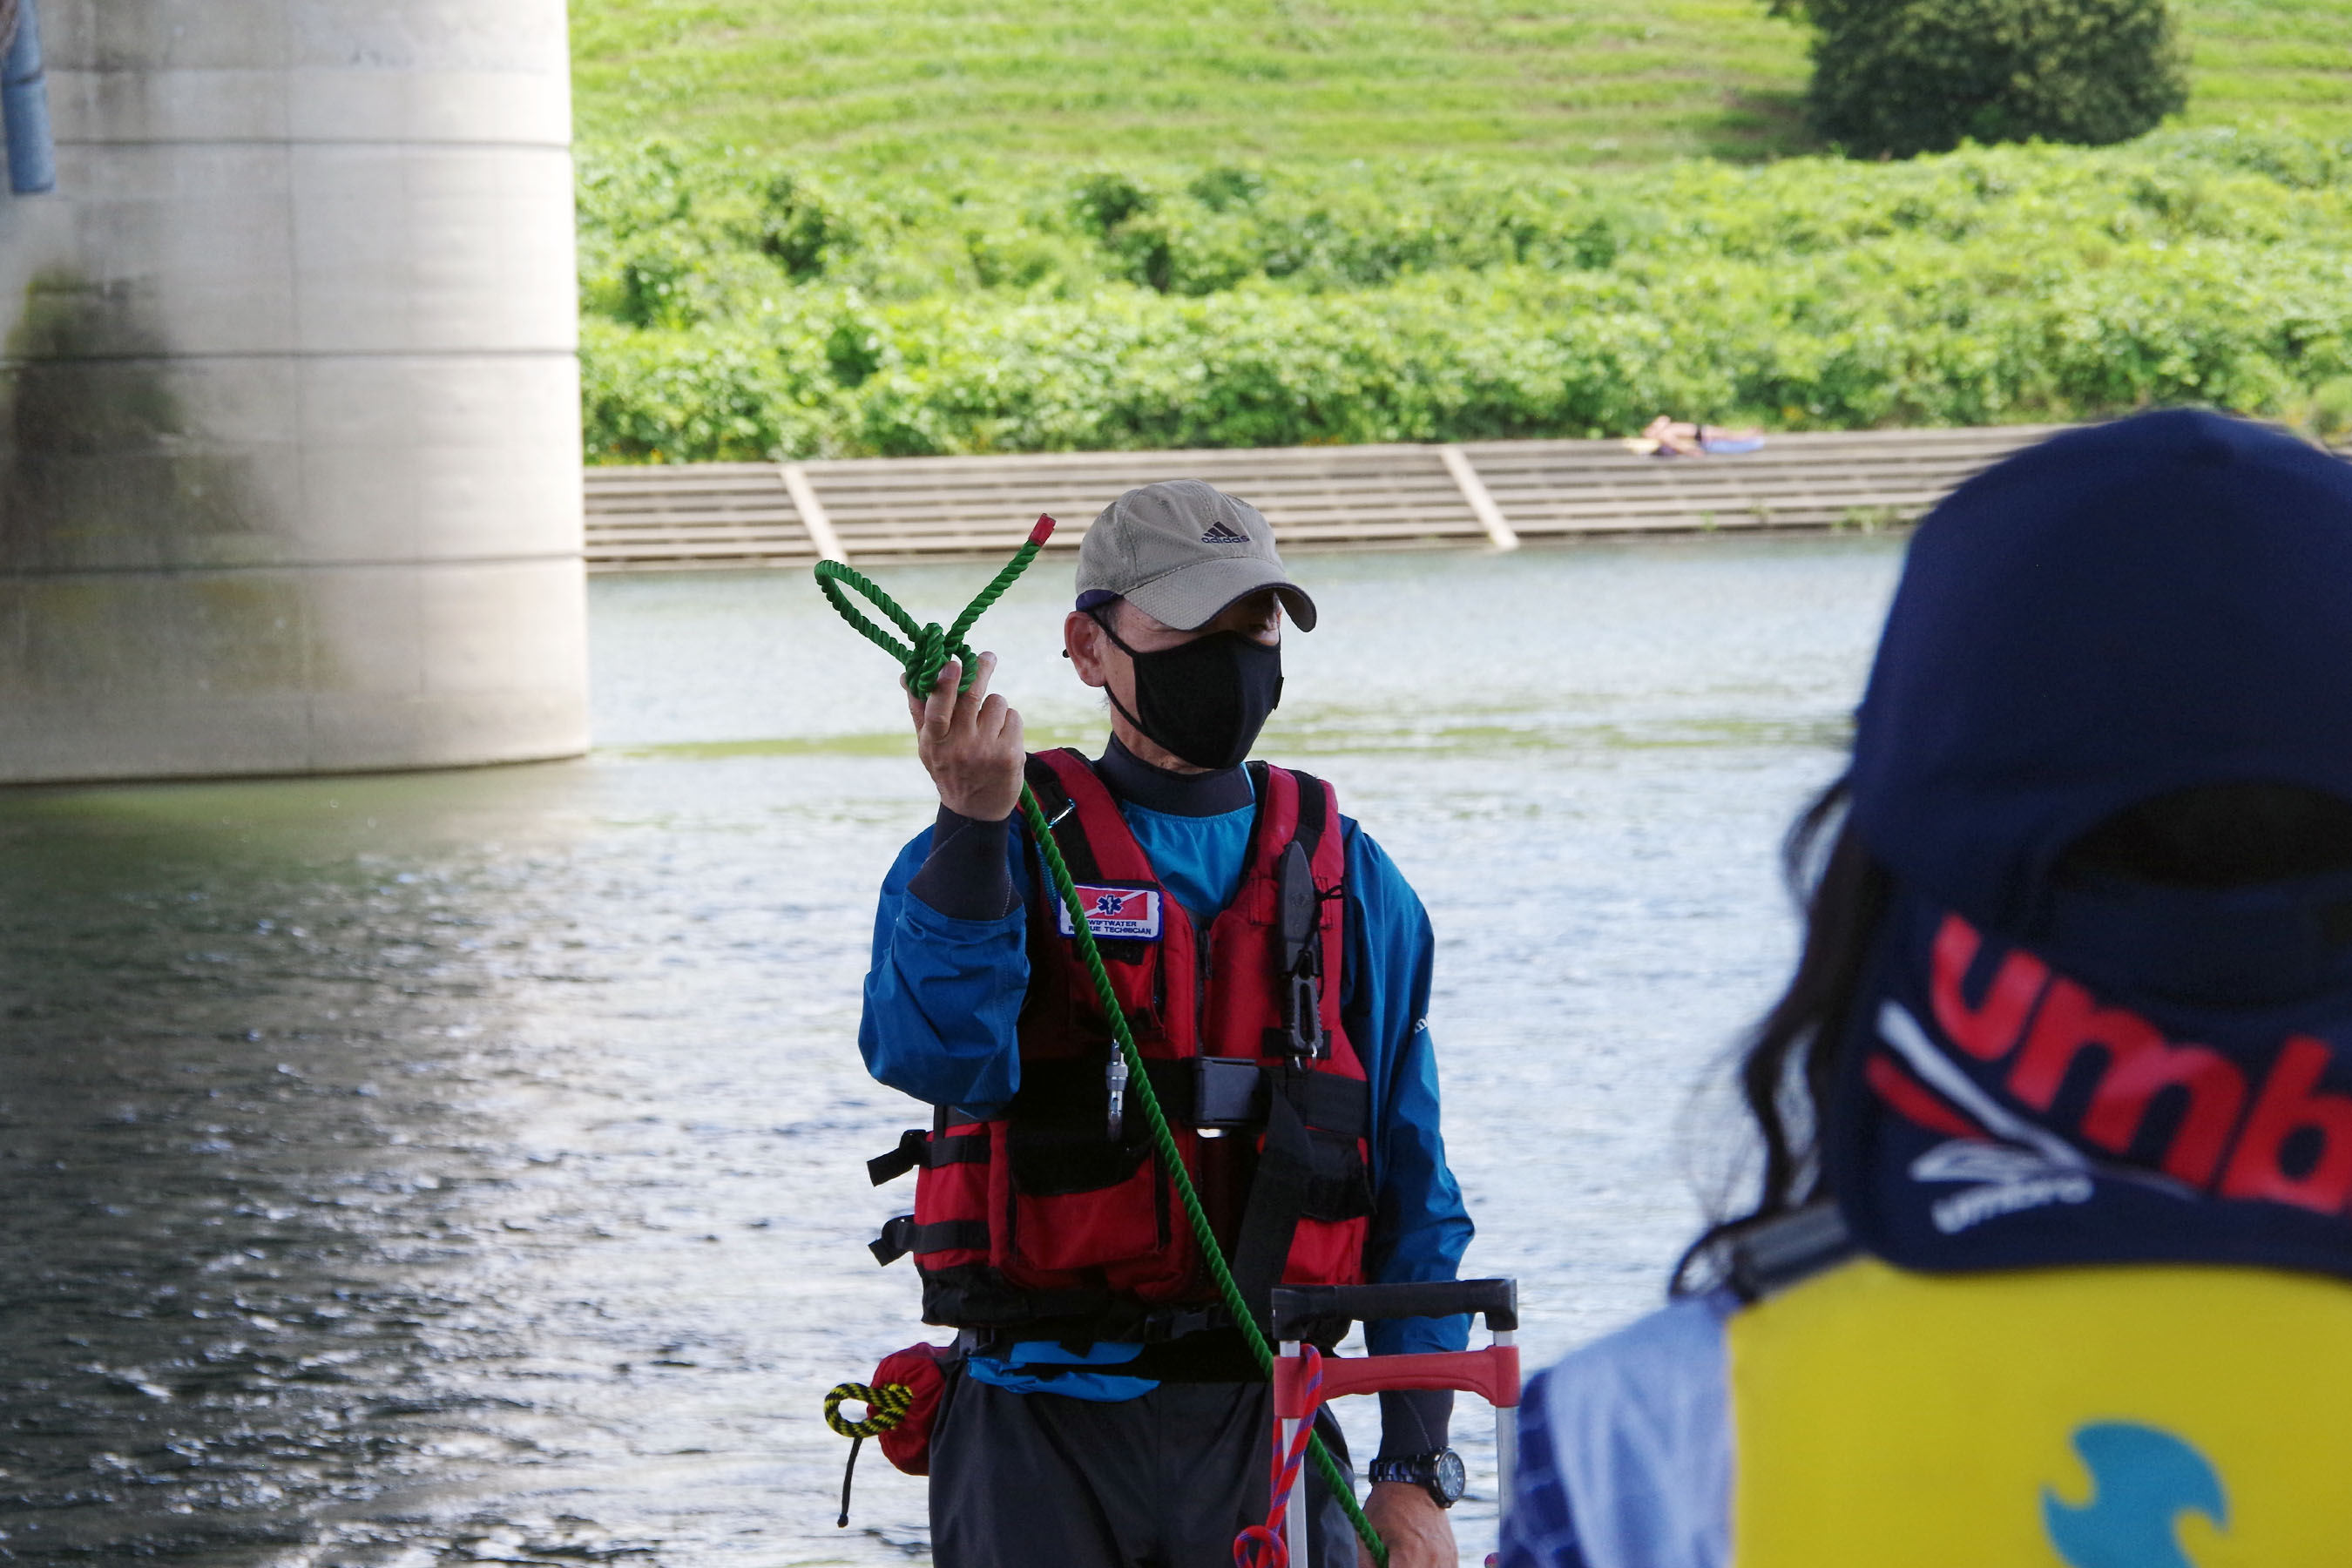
(1228, 1094)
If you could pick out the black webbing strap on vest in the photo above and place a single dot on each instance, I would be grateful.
(1281, 1189)
(920, 1150)
(1231, 1093)
(902, 1235)
(1060, 809)
(1277, 1200)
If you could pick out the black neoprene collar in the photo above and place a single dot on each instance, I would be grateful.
(1138, 782)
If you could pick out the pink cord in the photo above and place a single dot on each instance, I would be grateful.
(1262, 1546)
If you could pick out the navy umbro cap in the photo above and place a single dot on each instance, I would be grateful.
(2118, 613)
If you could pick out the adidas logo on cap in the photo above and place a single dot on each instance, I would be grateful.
(1223, 532)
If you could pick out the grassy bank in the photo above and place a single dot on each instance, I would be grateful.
(947, 225)
(749, 308)
(885, 85)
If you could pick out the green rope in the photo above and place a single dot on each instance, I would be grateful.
(929, 648)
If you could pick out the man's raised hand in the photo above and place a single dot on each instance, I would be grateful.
(970, 743)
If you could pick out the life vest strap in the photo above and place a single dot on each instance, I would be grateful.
(974, 1297)
(1231, 1093)
(1062, 815)
(1312, 817)
(1228, 1093)
(1278, 1198)
(920, 1150)
(902, 1235)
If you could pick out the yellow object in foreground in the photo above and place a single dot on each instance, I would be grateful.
(2094, 1418)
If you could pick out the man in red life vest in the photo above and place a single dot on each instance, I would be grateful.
(1275, 967)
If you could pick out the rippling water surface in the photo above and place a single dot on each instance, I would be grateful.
(467, 1167)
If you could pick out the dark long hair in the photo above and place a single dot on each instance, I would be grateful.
(2214, 836)
(1790, 1063)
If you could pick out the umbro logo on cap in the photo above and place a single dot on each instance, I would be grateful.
(1223, 532)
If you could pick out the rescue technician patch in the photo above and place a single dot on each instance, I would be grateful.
(1116, 913)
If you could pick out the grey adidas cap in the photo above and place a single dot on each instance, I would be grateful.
(1182, 550)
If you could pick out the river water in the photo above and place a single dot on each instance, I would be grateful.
(467, 1167)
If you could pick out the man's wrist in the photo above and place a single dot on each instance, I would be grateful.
(965, 875)
(969, 809)
(1415, 1421)
(1439, 1474)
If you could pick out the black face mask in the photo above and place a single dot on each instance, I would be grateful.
(1205, 700)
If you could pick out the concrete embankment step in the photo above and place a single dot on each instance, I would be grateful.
(1491, 494)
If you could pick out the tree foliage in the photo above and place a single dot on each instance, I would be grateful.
(747, 311)
(1904, 77)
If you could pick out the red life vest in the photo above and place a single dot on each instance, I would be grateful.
(1040, 1216)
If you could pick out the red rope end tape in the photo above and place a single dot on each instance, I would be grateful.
(1043, 532)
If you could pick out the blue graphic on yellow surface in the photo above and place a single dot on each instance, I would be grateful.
(1883, 1419)
(2142, 1480)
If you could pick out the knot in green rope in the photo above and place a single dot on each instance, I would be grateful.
(932, 654)
(929, 648)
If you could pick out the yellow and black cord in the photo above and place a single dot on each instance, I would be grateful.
(885, 1406)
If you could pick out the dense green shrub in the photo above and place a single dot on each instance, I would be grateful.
(1905, 77)
(2328, 414)
(735, 309)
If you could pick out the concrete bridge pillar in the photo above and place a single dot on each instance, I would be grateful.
(289, 450)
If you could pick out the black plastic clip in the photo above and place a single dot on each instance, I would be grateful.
(1228, 1094)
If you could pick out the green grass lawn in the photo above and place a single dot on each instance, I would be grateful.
(899, 226)
(894, 85)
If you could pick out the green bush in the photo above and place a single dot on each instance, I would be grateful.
(1904, 77)
(1002, 309)
(2329, 413)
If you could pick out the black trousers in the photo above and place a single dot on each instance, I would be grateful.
(1040, 1481)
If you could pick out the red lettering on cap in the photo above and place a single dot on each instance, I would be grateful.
(1988, 1030)
(2141, 1063)
(2291, 1101)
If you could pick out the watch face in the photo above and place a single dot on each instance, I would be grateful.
(1450, 1480)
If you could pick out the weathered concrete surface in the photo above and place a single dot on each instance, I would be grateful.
(289, 453)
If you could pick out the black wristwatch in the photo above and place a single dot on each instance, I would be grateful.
(1439, 1474)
